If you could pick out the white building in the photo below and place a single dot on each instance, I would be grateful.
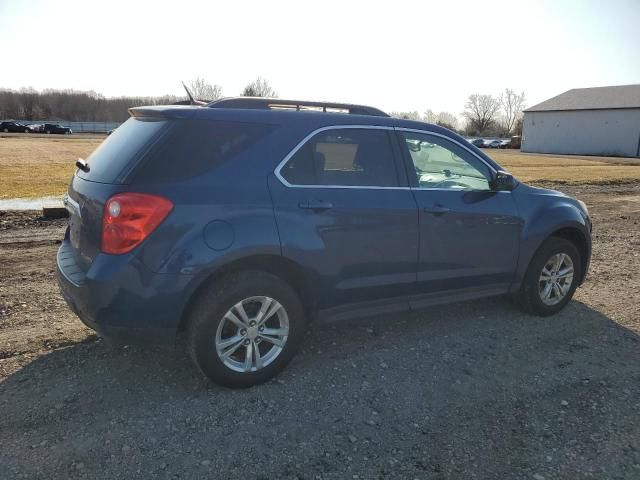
(586, 121)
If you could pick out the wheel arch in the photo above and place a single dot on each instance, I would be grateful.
(578, 238)
(277, 265)
(562, 220)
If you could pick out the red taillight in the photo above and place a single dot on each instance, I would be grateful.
(129, 218)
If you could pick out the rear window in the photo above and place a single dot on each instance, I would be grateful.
(119, 152)
(193, 147)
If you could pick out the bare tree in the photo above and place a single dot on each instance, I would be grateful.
(447, 120)
(259, 88)
(29, 100)
(430, 116)
(415, 115)
(444, 119)
(203, 90)
(71, 105)
(511, 104)
(481, 111)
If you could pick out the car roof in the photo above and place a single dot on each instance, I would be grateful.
(308, 119)
(280, 116)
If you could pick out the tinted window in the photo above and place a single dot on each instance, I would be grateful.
(192, 147)
(440, 163)
(120, 149)
(345, 157)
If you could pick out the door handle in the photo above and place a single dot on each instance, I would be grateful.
(315, 205)
(436, 210)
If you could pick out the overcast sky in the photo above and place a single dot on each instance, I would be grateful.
(395, 55)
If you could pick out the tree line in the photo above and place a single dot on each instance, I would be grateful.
(78, 106)
(484, 115)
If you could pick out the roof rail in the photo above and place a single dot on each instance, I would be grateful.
(263, 103)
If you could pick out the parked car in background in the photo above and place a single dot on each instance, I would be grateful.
(478, 142)
(15, 127)
(516, 141)
(494, 143)
(55, 128)
(240, 222)
(505, 143)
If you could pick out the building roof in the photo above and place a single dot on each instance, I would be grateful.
(597, 98)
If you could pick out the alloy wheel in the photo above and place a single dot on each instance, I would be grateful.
(555, 279)
(252, 334)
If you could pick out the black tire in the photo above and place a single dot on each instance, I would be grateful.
(216, 300)
(529, 297)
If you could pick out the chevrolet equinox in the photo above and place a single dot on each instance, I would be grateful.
(241, 221)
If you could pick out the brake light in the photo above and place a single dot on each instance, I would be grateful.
(129, 218)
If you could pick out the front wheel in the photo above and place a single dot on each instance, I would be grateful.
(552, 277)
(245, 328)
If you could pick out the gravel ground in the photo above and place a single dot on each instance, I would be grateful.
(475, 390)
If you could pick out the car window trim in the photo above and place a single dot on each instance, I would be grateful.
(295, 149)
(435, 134)
(428, 132)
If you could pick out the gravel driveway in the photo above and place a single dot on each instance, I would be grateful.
(475, 390)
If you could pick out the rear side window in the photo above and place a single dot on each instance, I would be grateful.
(121, 149)
(193, 147)
(344, 157)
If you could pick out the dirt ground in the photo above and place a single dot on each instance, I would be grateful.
(473, 391)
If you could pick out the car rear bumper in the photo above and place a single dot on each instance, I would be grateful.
(121, 299)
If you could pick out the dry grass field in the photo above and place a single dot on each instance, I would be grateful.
(35, 166)
(541, 169)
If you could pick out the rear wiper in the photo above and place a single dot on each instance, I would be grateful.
(82, 165)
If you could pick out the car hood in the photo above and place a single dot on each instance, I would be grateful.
(528, 191)
(542, 191)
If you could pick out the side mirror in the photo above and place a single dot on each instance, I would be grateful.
(503, 182)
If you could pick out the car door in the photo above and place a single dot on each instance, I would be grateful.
(345, 214)
(469, 234)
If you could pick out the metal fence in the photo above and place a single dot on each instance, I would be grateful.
(93, 127)
(78, 127)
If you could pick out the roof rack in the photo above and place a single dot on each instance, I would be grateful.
(263, 103)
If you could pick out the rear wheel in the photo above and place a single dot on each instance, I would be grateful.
(26, 130)
(245, 328)
(552, 277)
(6, 130)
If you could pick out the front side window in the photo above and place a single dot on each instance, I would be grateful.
(344, 157)
(440, 163)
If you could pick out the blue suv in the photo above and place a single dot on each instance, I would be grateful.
(241, 221)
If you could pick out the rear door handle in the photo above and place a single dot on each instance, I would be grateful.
(436, 210)
(315, 205)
